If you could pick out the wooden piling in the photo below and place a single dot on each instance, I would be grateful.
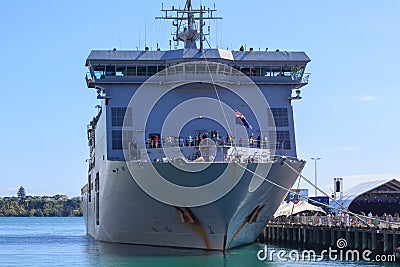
(294, 235)
(373, 240)
(332, 236)
(324, 236)
(385, 242)
(364, 239)
(317, 236)
(357, 238)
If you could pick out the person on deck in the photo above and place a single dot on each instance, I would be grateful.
(156, 141)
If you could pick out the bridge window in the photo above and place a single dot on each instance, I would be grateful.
(171, 70)
(110, 70)
(297, 72)
(131, 70)
(141, 71)
(201, 69)
(286, 71)
(190, 68)
(120, 70)
(212, 68)
(179, 69)
(265, 71)
(224, 70)
(151, 70)
(276, 71)
(99, 72)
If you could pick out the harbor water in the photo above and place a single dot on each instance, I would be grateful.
(50, 241)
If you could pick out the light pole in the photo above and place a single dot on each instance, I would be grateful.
(315, 172)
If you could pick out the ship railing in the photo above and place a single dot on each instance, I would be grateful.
(260, 156)
(180, 142)
(249, 158)
(222, 153)
(338, 220)
(222, 145)
(199, 159)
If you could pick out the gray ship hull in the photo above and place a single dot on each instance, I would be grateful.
(122, 212)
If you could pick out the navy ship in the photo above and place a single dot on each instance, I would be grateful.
(192, 147)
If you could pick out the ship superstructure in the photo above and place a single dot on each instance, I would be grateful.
(191, 147)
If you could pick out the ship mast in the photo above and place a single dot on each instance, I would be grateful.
(189, 23)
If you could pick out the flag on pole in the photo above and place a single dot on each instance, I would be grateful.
(241, 119)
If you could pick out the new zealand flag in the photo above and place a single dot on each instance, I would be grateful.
(241, 119)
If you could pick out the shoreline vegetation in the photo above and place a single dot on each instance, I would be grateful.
(41, 206)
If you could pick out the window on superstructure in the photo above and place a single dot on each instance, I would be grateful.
(99, 72)
(283, 140)
(179, 69)
(141, 71)
(266, 71)
(90, 188)
(280, 117)
(280, 139)
(276, 71)
(97, 189)
(224, 70)
(212, 68)
(297, 72)
(256, 71)
(171, 70)
(120, 71)
(161, 68)
(246, 71)
(110, 70)
(118, 114)
(151, 70)
(117, 142)
(131, 70)
(286, 71)
(97, 183)
(190, 68)
(201, 68)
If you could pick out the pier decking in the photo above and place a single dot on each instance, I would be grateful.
(323, 236)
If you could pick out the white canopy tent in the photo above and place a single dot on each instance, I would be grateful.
(287, 209)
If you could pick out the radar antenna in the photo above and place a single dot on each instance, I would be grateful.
(189, 23)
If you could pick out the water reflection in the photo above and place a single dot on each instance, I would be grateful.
(113, 249)
(111, 254)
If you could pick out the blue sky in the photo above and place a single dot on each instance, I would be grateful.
(348, 116)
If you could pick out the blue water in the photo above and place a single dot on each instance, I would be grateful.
(63, 242)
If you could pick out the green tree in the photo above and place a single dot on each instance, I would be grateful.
(41, 207)
(21, 192)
